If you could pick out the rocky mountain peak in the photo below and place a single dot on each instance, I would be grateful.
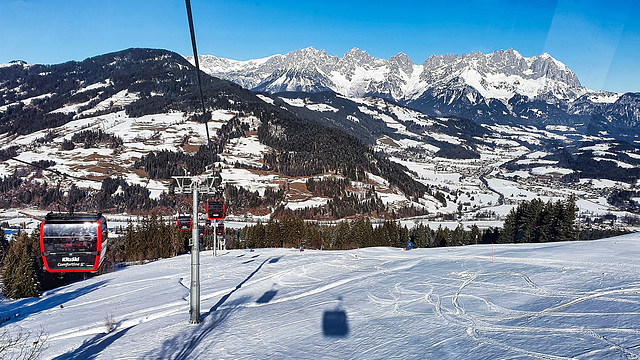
(308, 58)
(402, 61)
(358, 56)
(546, 66)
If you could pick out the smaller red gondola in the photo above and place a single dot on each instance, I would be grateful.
(185, 223)
(220, 230)
(216, 210)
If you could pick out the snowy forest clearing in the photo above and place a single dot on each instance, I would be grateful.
(530, 301)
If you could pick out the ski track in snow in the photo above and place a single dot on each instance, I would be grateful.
(477, 325)
(546, 302)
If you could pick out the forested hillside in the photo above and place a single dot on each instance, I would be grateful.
(147, 81)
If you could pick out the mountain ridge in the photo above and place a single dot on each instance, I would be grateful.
(499, 87)
(435, 69)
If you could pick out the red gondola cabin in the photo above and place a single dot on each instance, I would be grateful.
(220, 230)
(184, 223)
(73, 242)
(216, 210)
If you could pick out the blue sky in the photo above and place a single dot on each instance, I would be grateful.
(598, 40)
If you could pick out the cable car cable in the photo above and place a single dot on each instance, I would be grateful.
(47, 169)
(197, 64)
(60, 173)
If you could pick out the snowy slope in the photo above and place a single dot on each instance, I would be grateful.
(171, 131)
(578, 300)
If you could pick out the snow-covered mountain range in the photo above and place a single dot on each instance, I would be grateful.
(498, 75)
(502, 86)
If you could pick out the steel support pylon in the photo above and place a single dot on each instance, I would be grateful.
(194, 299)
(195, 185)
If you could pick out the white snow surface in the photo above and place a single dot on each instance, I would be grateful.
(265, 99)
(572, 300)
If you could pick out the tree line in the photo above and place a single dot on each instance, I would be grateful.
(165, 164)
(530, 222)
(344, 235)
(91, 139)
(115, 195)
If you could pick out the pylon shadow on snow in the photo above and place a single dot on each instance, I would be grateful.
(92, 347)
(183, 346)
(224, 298)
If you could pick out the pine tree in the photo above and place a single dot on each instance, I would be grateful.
(475, 235)
(548, 223)
(568, 230)
(457, 237)
(529, 221)
(20, 278)
(131, 248)
(508, 232)
(4, 247)
(418, 236)
(343, 233)
(362, 232)
(273, 234)
(441, 236)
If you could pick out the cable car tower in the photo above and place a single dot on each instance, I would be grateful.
(195, 185)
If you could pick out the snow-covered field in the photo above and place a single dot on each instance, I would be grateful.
(574, 300)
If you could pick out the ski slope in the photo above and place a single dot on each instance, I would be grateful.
(573, 300)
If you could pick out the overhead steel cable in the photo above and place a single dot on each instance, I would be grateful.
(64, 175)
(60, 173)
(197, 64)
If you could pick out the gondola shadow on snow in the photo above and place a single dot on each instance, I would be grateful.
(335, 323)
(94, 346)
(266, 297)
(50, 299)
(183, 346)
